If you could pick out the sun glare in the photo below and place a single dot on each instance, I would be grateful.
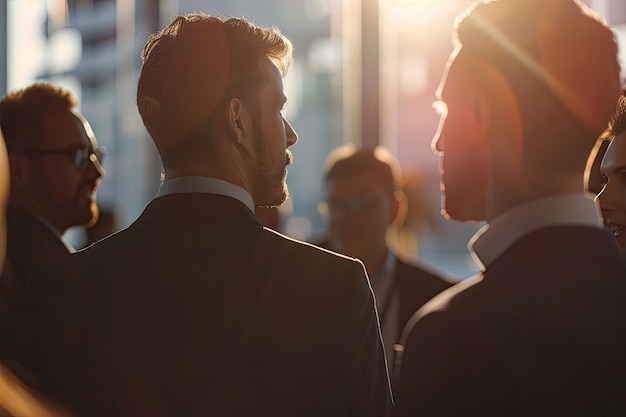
(421, 10)
(415, 6)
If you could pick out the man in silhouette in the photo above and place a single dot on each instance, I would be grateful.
(527, 91)
(196, 309)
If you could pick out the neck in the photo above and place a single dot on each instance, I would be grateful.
(504, 196)
(374, 264)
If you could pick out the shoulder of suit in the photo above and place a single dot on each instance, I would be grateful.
(444, 302)
(417, 268)
(307, 247)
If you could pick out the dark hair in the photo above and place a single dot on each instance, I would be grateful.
(560, 62)
(191, 67)
(379, 161)
(21, 113)
(617, 124)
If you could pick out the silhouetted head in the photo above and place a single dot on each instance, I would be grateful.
(206, 81)
(526, 93)
(363, 198)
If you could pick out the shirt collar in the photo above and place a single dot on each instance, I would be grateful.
(195, 184)
(388, 266)
(566, 209)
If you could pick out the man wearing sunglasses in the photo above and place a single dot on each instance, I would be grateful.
(55, 168)
(364, 203)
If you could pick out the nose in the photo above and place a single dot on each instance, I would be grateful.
(292, 136)
(435, 145)
(609, 198)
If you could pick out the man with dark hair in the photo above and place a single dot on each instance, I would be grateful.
(364, 203)
(55, 166)
(196, 309)
(540, 332)
(612, 196)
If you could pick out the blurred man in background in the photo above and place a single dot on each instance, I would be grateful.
(56, 167)
(364, 200)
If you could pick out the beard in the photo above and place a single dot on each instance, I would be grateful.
(95, 214)
(271, 173)
(67, 208)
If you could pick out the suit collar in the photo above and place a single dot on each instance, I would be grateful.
(19, 220)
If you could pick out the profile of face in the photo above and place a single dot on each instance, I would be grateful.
(66, 172)
(360, 208)
(613, 195)
(460, 142)
(273, 135)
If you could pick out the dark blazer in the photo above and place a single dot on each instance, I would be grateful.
(416, 286)
(541, 333)
(30, 243)
(198, 310)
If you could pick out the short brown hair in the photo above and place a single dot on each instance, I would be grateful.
(191, 67)
(617, 124)
(379, 161)
(21, 112)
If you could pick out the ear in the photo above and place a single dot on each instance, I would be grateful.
(237, 120)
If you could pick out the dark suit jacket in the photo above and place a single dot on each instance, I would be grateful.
(29, 243)
(541, 333)
(197, 310)
(416, 286)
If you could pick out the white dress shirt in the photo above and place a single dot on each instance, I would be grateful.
(192, 184)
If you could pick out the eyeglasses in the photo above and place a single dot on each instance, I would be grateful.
(81, 156)
(353, 205)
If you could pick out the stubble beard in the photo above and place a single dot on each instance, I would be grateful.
(271, 185)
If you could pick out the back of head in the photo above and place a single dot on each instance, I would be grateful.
(191, 67)
(21, 113)
(558, 60)
(379, 162)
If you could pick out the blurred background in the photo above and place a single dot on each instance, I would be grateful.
(364, 71)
